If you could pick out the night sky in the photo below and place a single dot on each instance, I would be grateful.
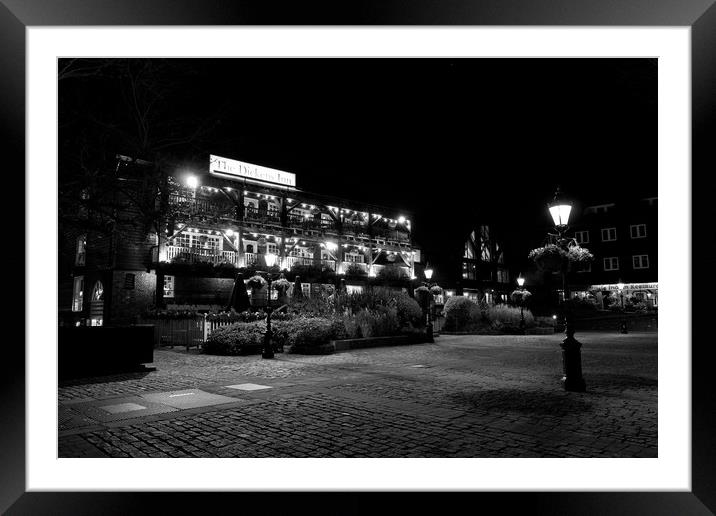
(454, 141)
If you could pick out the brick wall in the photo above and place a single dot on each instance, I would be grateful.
(128, 302)
(201, 291)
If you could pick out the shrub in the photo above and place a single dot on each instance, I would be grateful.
(355, 270)
(236, 339)
(507, 318)
(375, 323)
(379, 298)
(317, 306)
(307, 334)
(390, 273)
(461, 314)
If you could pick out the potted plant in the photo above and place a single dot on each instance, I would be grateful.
(548, 258)
(578, 257)
(520, 296)
(281, 286)
(256, 283)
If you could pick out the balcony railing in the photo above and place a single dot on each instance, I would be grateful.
(290, 261)
(262, 215)
(198, 205)
(177, 254)
(355, 266)
(299, 221)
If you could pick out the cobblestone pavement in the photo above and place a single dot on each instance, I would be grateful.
(464, 396)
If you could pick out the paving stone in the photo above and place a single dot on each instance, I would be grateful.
(189, 398)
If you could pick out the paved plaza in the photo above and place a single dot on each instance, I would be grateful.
(464, 396)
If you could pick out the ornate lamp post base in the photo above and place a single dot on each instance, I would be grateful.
(572, 365)
(429, 331)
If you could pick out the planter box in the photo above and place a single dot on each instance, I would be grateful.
(348, 344)
(540, 331)
(89, 351)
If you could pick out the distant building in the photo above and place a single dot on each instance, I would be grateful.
(210, 226)
(481, 273)
(623, 238)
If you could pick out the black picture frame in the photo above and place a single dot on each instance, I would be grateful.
(17, 15)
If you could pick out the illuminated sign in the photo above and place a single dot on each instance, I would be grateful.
(627, 286)
(232, 169)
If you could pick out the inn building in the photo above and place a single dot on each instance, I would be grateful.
(212, 225)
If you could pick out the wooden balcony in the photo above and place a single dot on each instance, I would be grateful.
(290, 261)
(176, 254)
(187, 205)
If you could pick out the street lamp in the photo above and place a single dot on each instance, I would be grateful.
(268, 344)
(623, 325)
(429, 320)
(572, 380)
(521, 284)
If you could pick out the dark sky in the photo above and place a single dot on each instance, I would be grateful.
(451, 140)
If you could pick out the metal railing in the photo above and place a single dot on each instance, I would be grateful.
(177, 254)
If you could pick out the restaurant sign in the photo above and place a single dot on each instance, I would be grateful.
(232, 169)
(627, 286)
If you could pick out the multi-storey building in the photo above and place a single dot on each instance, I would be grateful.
(481, 272)
(212, 225)
(623, 238)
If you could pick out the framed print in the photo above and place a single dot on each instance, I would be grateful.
(330, 255)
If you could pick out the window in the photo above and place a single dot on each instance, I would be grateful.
(587, 267)
(354, 289)
(469, 271)
(306, 289)
(81, 250)
(77, 293)
(250, 248)
(354, 257)
(198, 240)
(271, 248)
(502, 276)
(609, 234)
(611, 263)
(169, 286)
(638, 230)
(582, 237)
(640, 261)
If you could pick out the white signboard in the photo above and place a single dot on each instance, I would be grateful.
(232, 169)
(627, 286)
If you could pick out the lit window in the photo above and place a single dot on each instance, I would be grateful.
(78, 293)
(469, 271)
(502, 276)
(582, 237)
(609, 234)
(354, 289)
(169, 286)
(587, 267)
(81, 250)
(640, 261)
(638, 230)
(271, 248)
(306, 289)
(611, 263)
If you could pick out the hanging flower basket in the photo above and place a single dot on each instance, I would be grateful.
(282, 285)
(436, 290)
(549, 258)
(256, 282)
(520, 296)
(579, 257)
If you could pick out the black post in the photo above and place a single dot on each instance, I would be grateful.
(268, 345)
(522, 315)
(571, 354)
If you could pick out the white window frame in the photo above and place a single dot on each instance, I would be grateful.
(169, 292)
(81, 250)
(632, 227)
(612, 260)
(78, 287)
(643, 258)
(579, 237)
(354, 257)
(270, 246)
(608, 230)
(306, 289)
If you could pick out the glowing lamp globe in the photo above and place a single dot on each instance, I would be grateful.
(521, 281)
(192, 181)
(560, 209)
(620, 286)
(270, 259)
(428, 273)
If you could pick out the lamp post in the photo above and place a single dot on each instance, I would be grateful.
(623, 325)
(521, 284)
(572, 380)
(268, 344)
(429, 321)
